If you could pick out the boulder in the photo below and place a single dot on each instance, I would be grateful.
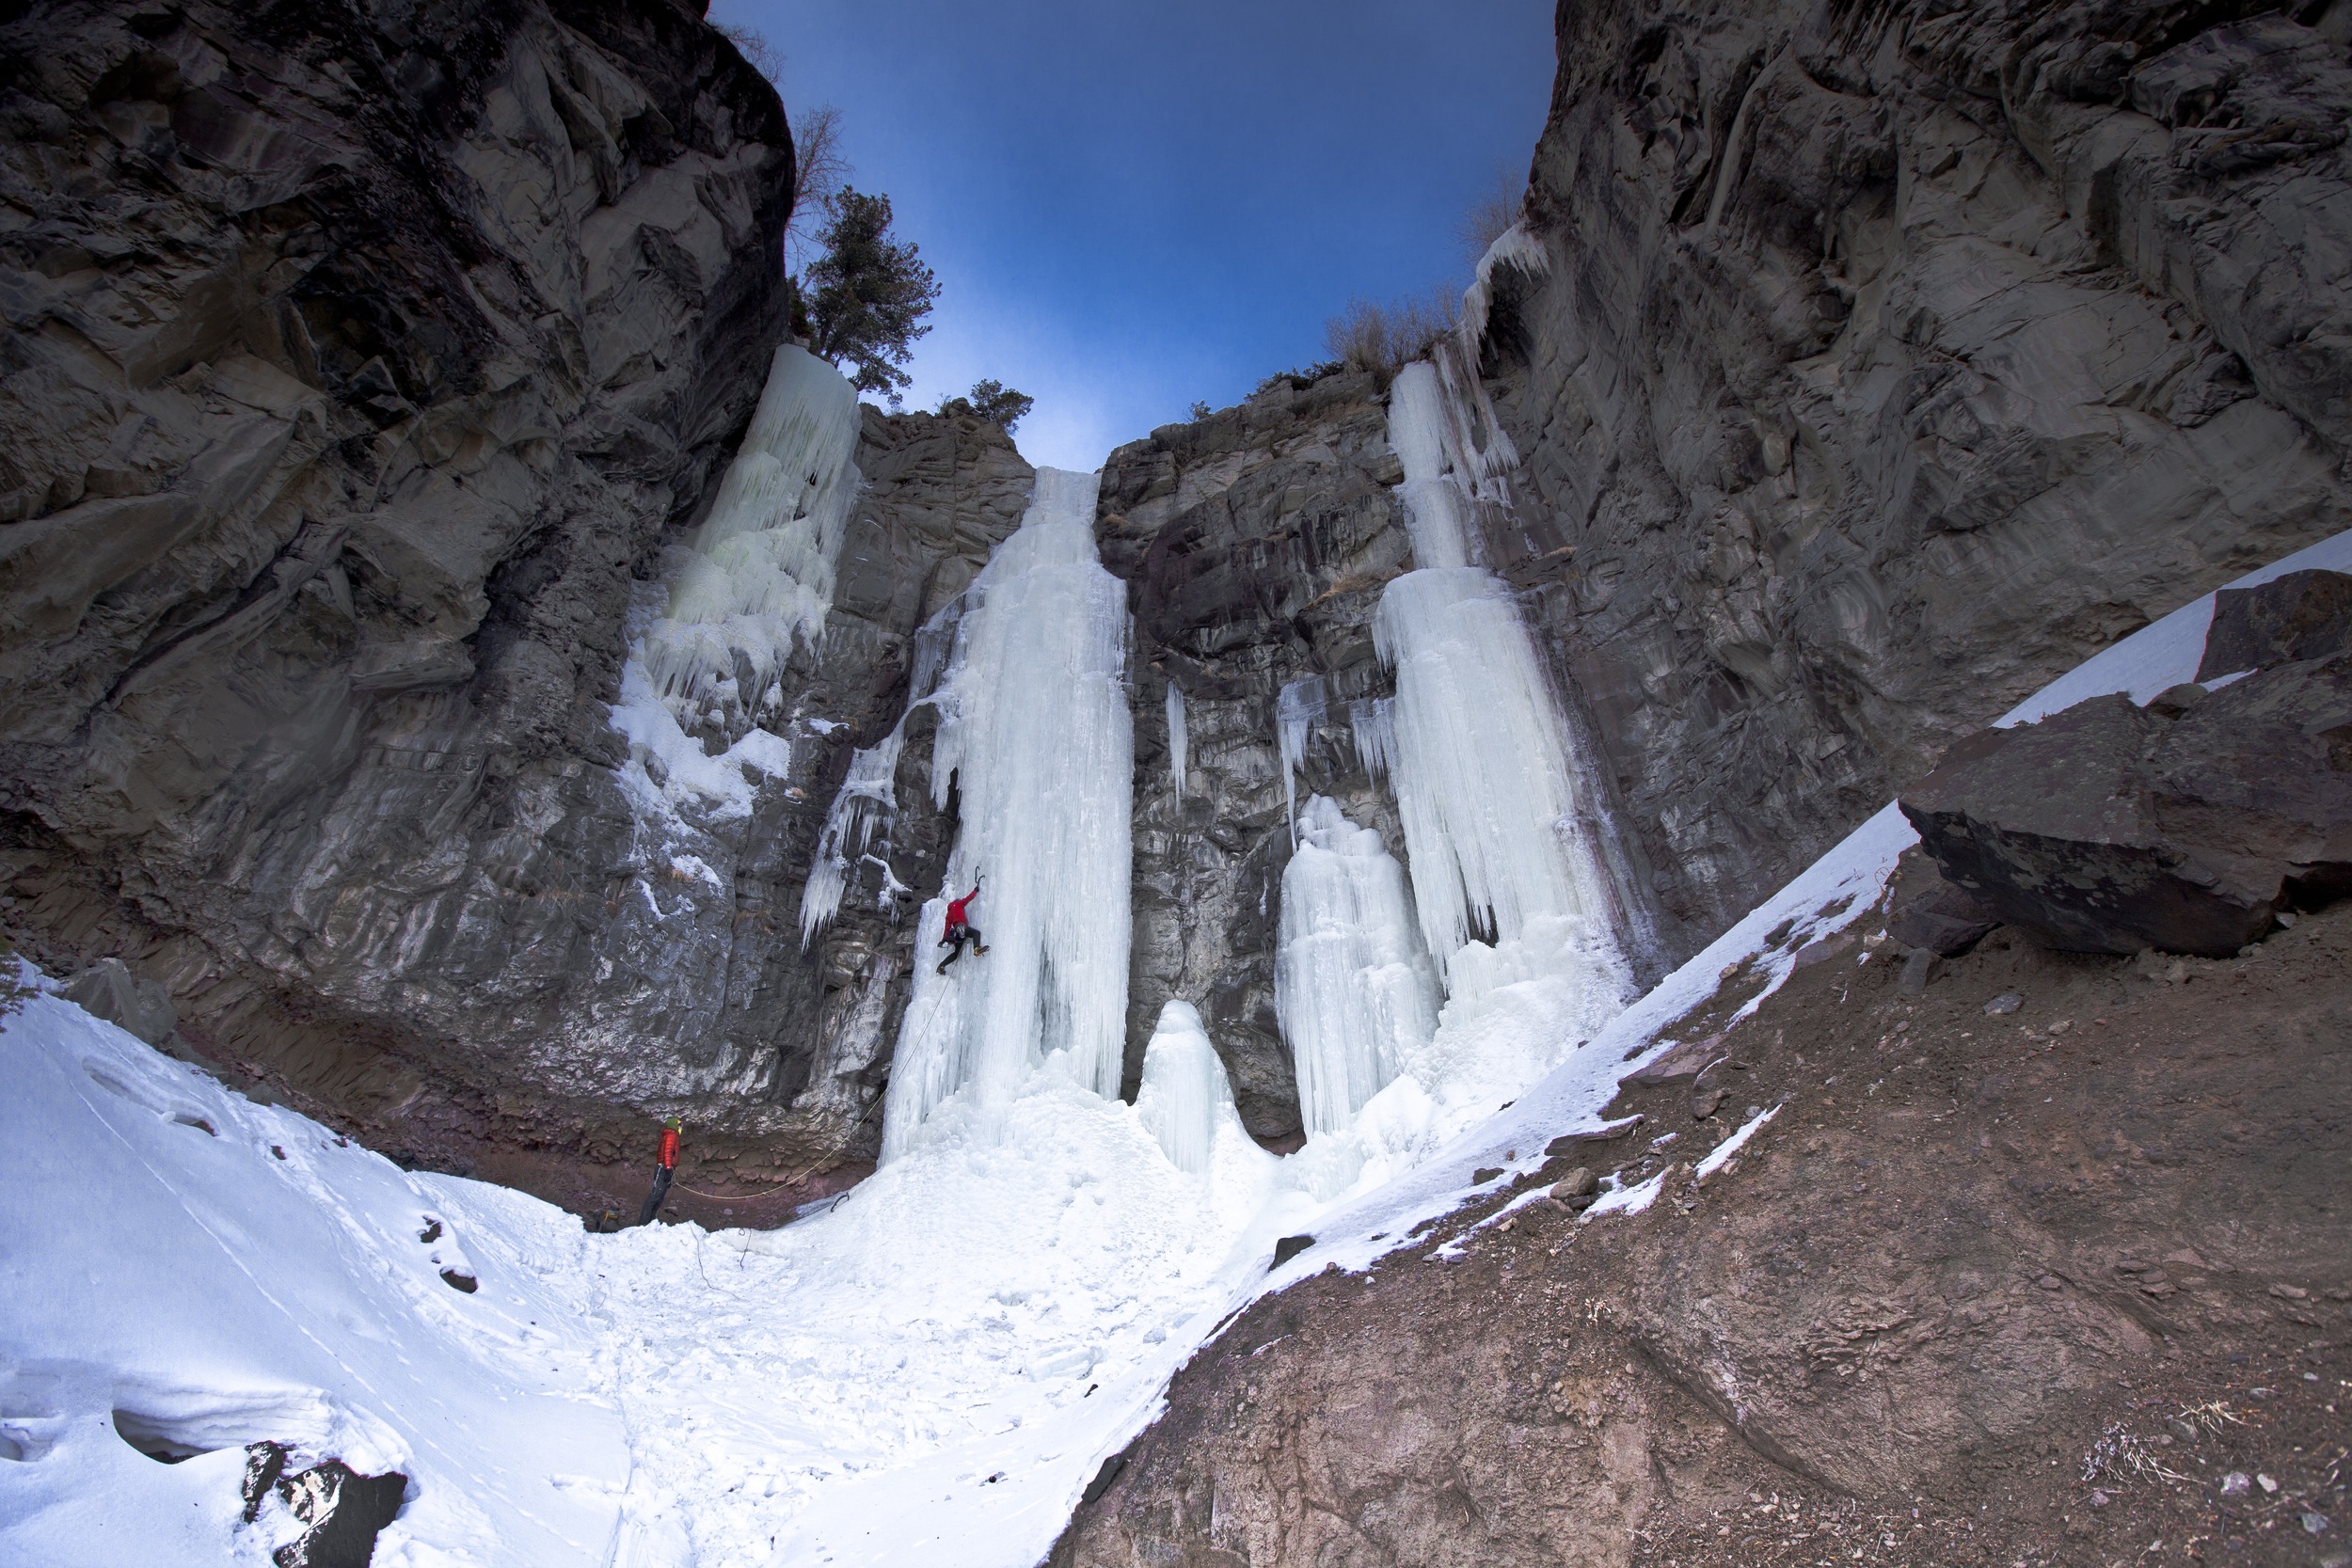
(2109, 828)
(2255, 782)
(2301, 615)
(1924, 911)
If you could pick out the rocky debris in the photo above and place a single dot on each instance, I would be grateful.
(2109, 828)
(1577, 1189)
(1913, 1325)
(1685, 1060)
(108, 989)
(1289, 1247)
(1705, 1101)
(2296, 616)
(341, 1511)
(1567, 1143)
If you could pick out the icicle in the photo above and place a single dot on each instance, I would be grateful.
(1296, 709)
(762, 573)
(1176, 758)
(1373, 720)
(1185, 1093)
(1037, 739)
(1352, 985)
(1514, 248)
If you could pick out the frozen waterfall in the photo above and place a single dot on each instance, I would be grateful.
(761, 575)
(1352, 985)
(1036, 735)
(1505, 875)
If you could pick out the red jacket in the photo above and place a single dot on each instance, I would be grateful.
(667, 1156)
(955, 910)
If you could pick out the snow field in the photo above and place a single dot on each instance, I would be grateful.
(220, 1272)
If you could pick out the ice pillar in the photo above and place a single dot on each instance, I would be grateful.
(1035, 736)
(1504, 874)
(1352, 985)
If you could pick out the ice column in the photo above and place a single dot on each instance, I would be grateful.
(1036, 735)
(1185, 1094)
(762, 572)
(1353, 985)
(1504, 874)
(1176, 758)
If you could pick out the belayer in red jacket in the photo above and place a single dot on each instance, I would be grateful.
(960, 929)
(664, 1167)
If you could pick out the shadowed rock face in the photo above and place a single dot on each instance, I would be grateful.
(2297, 616)
(1893, 359)
(361, 361)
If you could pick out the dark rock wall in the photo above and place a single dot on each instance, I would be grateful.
(1894, 359)
(361, 362)
(1254, 545)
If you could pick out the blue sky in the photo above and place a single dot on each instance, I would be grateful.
(1132, 206)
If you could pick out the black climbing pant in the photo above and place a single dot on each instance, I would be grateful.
(954, 942)
(661, 1190)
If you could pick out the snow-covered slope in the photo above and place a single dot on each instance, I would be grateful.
(929, 1372)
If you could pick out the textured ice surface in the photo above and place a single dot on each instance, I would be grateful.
(1035, 739)
(1177, 759)
(706, 654)
(761, 575)
(1353, 985)
(1506, 875)
(1186, 1102)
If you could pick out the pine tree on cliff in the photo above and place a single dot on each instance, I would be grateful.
(867, 295)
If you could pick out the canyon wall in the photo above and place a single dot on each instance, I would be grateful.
(362, 364)
(369, 369)
(1882, 362)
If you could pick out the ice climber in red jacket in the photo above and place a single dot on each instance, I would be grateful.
(959, 930)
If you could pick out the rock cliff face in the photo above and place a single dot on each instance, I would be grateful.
(361, 362)
(369, 368)
(1254, 545)
(1896, 358)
